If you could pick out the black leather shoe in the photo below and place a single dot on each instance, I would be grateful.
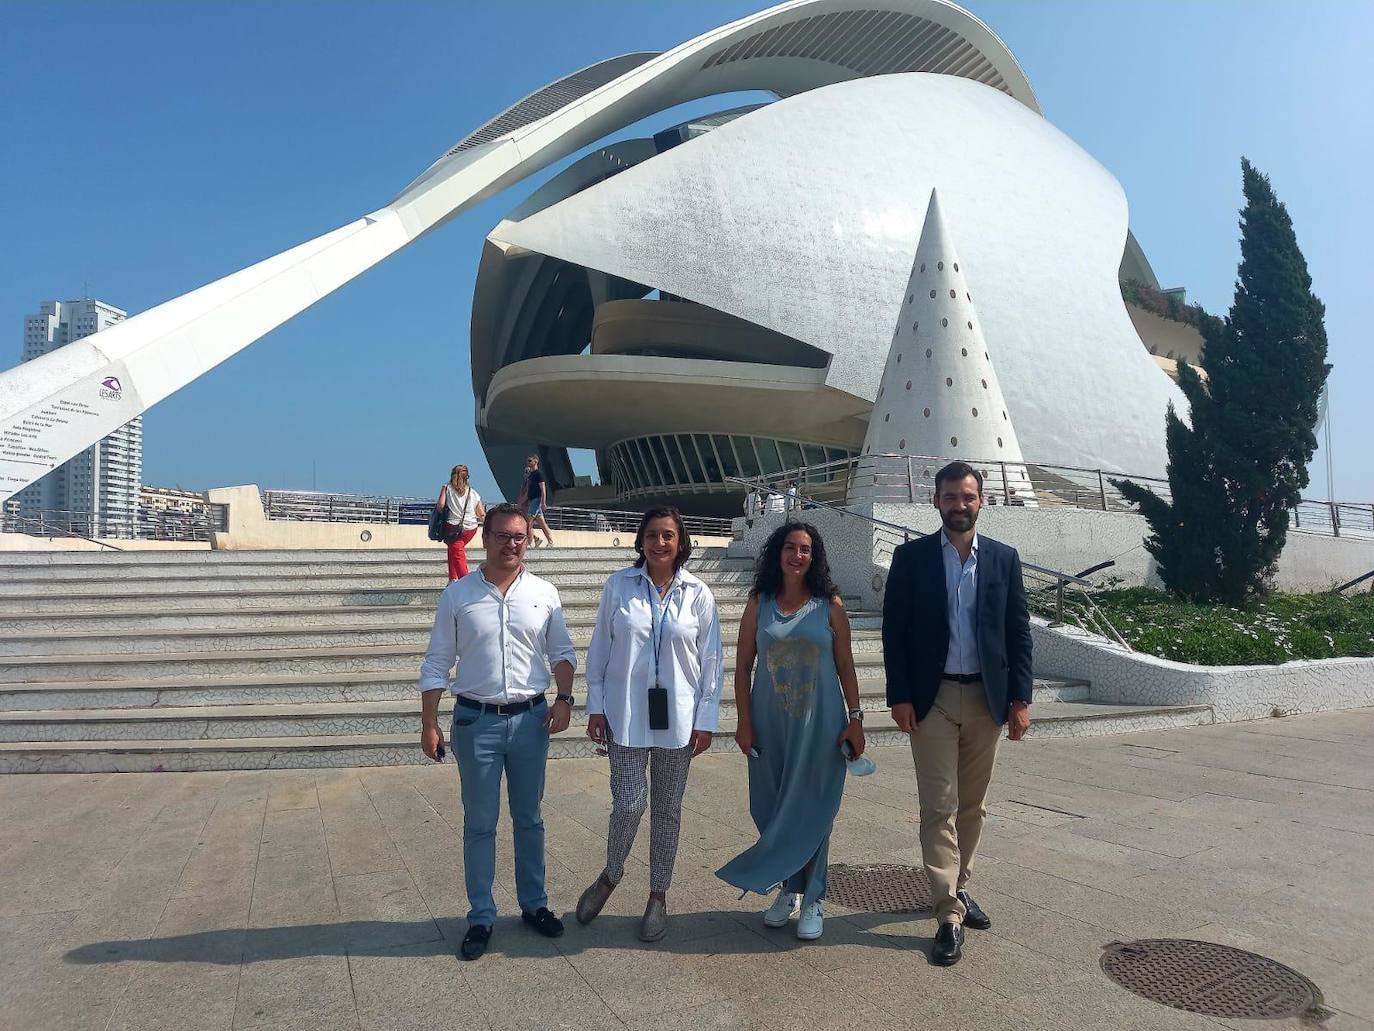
(974, 916)
(475, 941)
(544, 922)
(949, 944)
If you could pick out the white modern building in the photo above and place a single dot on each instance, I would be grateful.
(97, 491)
(718, 298)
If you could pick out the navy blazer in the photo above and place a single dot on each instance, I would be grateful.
(916, 625)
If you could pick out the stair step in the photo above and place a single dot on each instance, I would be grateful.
(355, 658)
(303, 689)
(90, 622)
(163, 719)
(535, 558)
(1050, 719)
(288, 633)
(432, 566)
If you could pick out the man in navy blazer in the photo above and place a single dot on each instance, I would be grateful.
(957, 652)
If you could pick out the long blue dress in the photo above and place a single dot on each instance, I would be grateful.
(796, 783)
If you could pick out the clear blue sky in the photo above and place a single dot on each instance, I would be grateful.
(148, 147)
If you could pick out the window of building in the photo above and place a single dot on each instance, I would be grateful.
(791, 454)
(769, 459)
(690, 461)
(660, 452)
(729, 463)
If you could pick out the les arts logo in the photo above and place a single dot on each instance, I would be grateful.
(110, 389)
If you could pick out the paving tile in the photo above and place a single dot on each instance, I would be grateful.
(414, 986)
(308, 989)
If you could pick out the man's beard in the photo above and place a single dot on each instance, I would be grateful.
(959, 522)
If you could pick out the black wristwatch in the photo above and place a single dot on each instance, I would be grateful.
(856, 714)
(565, 698)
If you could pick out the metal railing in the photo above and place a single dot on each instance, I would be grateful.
(310, 506)
(1355, 583)
(145, 524)
(910, 479)
(1062, 597)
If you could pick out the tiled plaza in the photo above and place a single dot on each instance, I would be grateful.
(334, 899)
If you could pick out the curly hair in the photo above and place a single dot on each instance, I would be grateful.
(684, 542)
(768, 569)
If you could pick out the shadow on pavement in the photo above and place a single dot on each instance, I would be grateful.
(698, 934)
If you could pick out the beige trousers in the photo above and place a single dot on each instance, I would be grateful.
(954, 748)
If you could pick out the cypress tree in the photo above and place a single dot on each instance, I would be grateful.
(1240, 468)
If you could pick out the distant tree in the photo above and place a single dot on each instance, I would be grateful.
(1241, 466)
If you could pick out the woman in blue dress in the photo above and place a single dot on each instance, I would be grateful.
(798, 707)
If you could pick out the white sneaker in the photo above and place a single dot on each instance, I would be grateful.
(782, 910)
(812, 922)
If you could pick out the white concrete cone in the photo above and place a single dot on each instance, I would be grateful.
(939, 398)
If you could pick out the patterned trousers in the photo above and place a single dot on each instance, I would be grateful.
(661, 794)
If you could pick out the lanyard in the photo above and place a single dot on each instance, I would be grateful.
(658, 612)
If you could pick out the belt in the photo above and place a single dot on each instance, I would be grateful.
(964, 678)
(501, 710)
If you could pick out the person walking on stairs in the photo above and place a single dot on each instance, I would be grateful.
(463, 514)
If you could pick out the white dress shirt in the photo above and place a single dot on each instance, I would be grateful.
(505, 644)
(961, 604)
(620, 660)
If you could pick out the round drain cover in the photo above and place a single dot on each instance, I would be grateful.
(879, 889)
(1214, 980)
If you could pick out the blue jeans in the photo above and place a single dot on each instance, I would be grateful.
(486, 745)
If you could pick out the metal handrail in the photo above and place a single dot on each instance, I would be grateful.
(311, 506)
(908, 478)
(57, 531)
(1354, 583)
(1095, 619)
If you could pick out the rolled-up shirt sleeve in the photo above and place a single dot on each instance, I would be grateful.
(558, 645)
(443, 647)
(599, 652)
(712, 655)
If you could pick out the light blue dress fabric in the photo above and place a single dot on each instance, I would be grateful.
(796, 783)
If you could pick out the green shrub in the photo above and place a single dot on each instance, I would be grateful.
(1278, 629)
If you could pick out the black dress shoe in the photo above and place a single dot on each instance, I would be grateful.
(475, 941)
(949, 943)
(544, 922)
(974, 916)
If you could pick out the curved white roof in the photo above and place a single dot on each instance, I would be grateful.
(803, 217)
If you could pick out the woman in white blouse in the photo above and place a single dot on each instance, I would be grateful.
(463, 514)
(654, 673)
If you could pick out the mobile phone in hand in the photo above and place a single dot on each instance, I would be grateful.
(439, 754)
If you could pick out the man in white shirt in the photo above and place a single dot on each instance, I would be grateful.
(505, 628)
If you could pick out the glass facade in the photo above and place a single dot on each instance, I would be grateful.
(699, 462)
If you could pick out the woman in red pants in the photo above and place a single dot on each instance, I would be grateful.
(464, 513)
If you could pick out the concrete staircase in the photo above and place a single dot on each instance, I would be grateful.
(255, 660)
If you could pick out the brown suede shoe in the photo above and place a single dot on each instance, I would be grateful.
(655, 923)
(593, 899)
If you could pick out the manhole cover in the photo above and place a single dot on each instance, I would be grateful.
(879, 889)
(1214, 980)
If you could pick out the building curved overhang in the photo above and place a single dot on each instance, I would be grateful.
(594, 401)
(802, 217)
(787, 49)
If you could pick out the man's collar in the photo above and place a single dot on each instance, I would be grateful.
(482, 572)
(945, 542)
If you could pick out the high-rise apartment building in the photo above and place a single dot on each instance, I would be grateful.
(97, 491)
